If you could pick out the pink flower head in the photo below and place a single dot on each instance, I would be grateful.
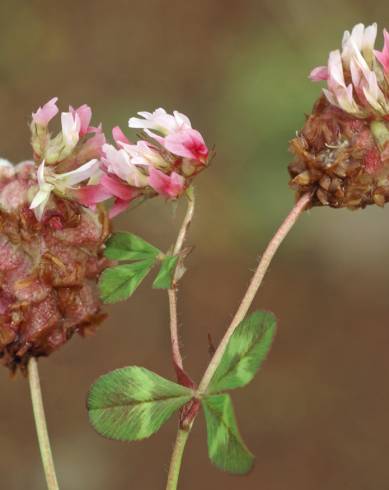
(187, 143)
(45, 114)
(168, 186)
(383, 56)
(84, 113)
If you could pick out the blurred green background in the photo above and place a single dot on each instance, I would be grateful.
(317, 415)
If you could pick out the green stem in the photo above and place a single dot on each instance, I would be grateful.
(176, 461)
(41, 427)
(254, 285)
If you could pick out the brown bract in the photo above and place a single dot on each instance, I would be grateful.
(338, 160)
(48, 270)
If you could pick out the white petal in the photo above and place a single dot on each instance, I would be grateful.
(335, 68)
(346, 37)
(5, 163)
(372, 100)
(118, 162)
(369, 37)
(71, 125)
(357, 35)
(41, 197)
(330, 97)
(182, 120)
(356, 73)
(136, 123)
(41, 174)
(360, 61)
(79, 174)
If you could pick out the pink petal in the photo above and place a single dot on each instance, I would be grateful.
(166, 186)
(118, 207)
(118, 188)
(383, 56)
(119, 136)
(85, 114)
(93, 147)
(46, 113)
(319, 73)
(187, 143)
(90, 195)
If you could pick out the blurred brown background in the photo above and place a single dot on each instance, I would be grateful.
(317, 415)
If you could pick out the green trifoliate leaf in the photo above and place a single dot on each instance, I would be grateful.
(226, 448)
(118, 283)
(165, 275)
(132, 403)
(126, 246)
(245, 352)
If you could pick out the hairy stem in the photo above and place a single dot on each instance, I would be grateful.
(275, 242)
(176, 460)
(182, 435)
(254, 285)
(172, 292)
(41, 427)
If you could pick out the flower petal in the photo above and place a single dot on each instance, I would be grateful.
(168, 186)
(118, 207)
(45, 113)
(80, 174)
(319, 73)
(117, 187)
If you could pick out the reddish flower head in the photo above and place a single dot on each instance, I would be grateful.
(342, 152)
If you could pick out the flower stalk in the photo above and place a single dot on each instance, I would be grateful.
(254, 285)
(176, 461)
(242, 311)
(41, 426)
(172, 292)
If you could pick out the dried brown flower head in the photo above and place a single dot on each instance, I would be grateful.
(48, 269)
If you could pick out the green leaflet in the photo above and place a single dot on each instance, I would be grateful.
(132, 403)
(165, 275)
(118, 283)
(226, 448)
(126, 246)
(245, 352)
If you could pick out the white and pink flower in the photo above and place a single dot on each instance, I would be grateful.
(49, 181)
(354, 78)
(76, 135)
(176, 134)
(163, 163)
